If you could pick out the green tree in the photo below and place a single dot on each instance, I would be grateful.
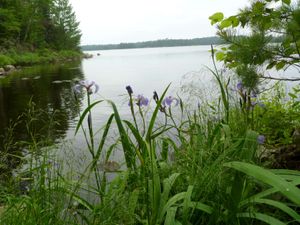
(265, 21)
(66, 33)
(32, 24)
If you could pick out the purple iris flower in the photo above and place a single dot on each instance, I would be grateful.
(261, 139)
(90, 86)
(253, 104)
(142, 101)
(169, 100)
(240, 86)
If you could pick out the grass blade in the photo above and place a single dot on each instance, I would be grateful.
(170, 217)
(283, 207)
(126, 144)
(86, 111)
(266, 176)
(154, 115)
(262, 217)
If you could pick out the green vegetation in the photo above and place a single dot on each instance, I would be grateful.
(37, 31)
(196, 166)
(249, 55)
(220, 162)
(157, 43)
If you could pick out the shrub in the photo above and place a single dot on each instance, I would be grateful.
(5, 60)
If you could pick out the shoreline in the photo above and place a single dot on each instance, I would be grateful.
(13, 63)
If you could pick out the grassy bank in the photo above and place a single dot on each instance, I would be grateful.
(28, 58)
(216, 163)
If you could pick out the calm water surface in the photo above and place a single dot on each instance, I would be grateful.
(49, 87)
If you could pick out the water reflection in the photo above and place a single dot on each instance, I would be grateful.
(52, 107)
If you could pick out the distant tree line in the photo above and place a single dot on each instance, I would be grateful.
(37, 24)
(157, 43)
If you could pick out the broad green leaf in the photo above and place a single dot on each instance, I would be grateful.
(288, 2)
(171, 202)
(186, 203)
(266, 176)
(225, 23)
(265, 193)
(283, 207)
(202, 207)
(217, 17)
(170, 217)
(167, 185)
(234, 21)
(262, 217)
(280, 65)
(271, 65)
(293, 95)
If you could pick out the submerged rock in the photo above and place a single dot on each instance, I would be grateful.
(109, 166)
(9, 68)
(2, 71)
(57, 82)
(87, 56)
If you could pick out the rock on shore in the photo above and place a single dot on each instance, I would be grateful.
(7, 69)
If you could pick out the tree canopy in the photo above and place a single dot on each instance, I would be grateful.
(38, 24)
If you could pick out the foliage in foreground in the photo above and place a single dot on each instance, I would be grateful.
(188, 169)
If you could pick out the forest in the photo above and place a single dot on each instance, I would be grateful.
(35, 31)
(158, 43)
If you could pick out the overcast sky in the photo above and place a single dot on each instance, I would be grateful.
(115, 21)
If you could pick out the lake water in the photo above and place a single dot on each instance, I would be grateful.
(49, 87)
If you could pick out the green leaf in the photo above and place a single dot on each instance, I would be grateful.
(171, 203)
(283, 207)
(170, 217)
(271, 65)
(265, 193)
(126, 144)
(288, 2)
(293, 95)
(86, 111)
(280, 65)
(225, 23)
(133, 200)
(262, 217)
(217, 17)
(102, 142)
(201, 206)
(220, 56)
(266, 176)
(154, 115)
(186, 203)
(234, 21)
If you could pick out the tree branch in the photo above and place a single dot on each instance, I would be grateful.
(281, 79)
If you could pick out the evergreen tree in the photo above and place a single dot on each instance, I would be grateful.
(66, 33)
